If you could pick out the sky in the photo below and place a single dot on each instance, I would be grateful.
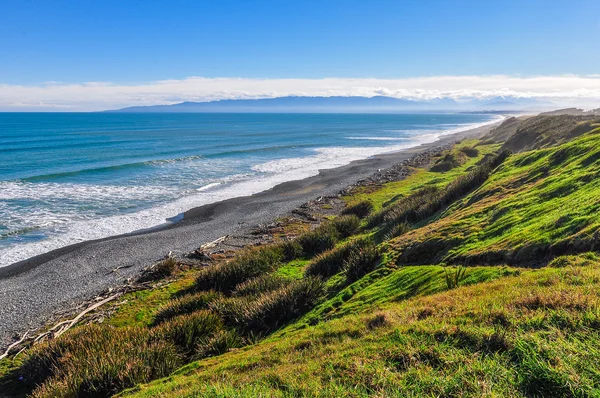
(91, 55)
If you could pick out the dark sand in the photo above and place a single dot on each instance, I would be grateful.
(31, 291)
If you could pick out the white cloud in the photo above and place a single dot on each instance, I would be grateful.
(91, 96)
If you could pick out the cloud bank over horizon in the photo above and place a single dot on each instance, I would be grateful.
(564, 90)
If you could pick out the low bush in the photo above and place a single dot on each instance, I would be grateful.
(332, 261)
(269, 311)
(346, 225)
(224, 277)
(360, 209)
(185, 305)
(185, 331)
(361, 261)
(98, 361)
(160, 270)
(260, 284)
(319, 239)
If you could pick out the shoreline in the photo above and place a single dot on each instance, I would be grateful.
(183, 195)
(33, 290)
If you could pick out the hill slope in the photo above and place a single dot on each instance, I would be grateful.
(535, 206)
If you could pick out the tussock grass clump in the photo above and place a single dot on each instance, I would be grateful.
(409, 209)
(218, 343)
(471, 152)
(581, 260)
(448, 162)
(98, 361)
(185, 305)
(332, 261)
(260, 284)
(346, 225)
(291, 250)
(185, 331)
(269, 311)
(377, 321)
(161, 270)
(396, 230)
(320, 239)
(360, 209)
(361, 261)
(224, 277)
(454, 276)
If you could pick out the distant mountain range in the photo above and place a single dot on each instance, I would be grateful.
(346, 104)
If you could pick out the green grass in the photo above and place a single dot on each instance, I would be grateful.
(534, 333)
(396, 284)
(536, 205)
(392, 191)
(293, 269)
(138, 308)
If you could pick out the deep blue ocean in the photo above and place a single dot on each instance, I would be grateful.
(69, 177)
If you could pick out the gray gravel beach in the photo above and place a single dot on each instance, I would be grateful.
(32, 291)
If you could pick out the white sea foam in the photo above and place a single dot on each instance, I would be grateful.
(72, 227)
(378, 138)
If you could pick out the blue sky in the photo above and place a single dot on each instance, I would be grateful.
(91, 55)
(137, 41)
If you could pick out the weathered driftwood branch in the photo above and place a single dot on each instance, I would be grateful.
(13, 345)
(201, 252)
(212, 244)
(58, 329)
(120, 267)
(74, 321)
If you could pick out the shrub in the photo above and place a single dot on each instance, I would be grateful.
(219, 343)
(185, 305)
(185, 331)
(346, 225)
(160, 270)
(291, 250)
(260, 284)
(360, 209)
(332, 261)
(224, 277)
(319, 240)
(269, 311)
(361, 261)
(98, 361)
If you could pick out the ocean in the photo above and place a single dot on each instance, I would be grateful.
(71, 177)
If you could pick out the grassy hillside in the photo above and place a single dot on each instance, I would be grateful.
(476, 275)
(535, 206)
(545, 131)
(535, 333)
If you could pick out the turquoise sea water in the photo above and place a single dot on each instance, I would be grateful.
(69, 177)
